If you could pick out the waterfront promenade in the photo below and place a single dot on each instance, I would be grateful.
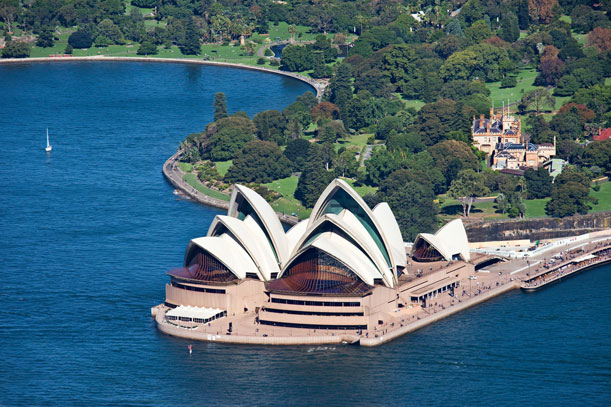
(475, 289)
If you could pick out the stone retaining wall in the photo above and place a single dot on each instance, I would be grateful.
(538, 229)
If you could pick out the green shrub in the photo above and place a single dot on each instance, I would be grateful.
(261, 61)
(509, 82)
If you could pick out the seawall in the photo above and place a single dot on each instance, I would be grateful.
(423, 322)
(173, 175)
(319, 87)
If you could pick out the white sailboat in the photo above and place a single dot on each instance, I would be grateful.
(49, 147)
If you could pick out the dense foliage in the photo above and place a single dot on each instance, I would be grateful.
(413, 84)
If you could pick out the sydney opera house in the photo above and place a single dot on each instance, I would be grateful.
(345, 268)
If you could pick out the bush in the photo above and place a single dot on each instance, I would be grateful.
(68, 49)
(80, 39)
(16, 50)
(509, 82)
(274, 62)
(102, 41)
(268, 52)
(261, 61)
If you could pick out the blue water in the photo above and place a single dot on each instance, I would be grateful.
(87, 233)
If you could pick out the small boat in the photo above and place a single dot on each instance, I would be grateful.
(49, 147)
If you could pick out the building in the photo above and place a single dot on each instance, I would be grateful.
(500, 136)
(344, 268)
(603, 134)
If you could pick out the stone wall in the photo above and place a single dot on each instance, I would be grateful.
(538, 229)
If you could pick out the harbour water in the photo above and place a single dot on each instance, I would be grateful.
(87, 233)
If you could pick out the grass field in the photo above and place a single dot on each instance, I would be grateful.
(192, 180)
(185, 167)
(285, 186)
(358, 140)
(280, 32)
(223, 166)
(525, 79)
(604, 198)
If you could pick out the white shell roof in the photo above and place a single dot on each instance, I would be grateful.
(252, 239)
(345, 252)
(349, 224)
(230, 253)
(450, 240)
(266, 214)
(294, 234)
(389, 224)
(327, 194)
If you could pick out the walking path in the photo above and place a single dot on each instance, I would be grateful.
(174, 175)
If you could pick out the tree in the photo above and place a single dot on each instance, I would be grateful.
(192, 44)
(600, 38)
(436, 120)
(227, 136)
(324, 110)
(270, 126)
(314, 178)
(509, 82)
(541, 10)
(568, 199)
(111, 31)
(220, 106)
(598, 154)
(45, 38)
(80, 39)
(8, 10)
(259, 161)
(568, 125)
(147, 48)
(380, 165)
(523, 17)
(537, 98)
(551, 67)
(14, 49)
(297, 153)
(510, 31)
(538, 183)
(412, 203)
(566, 86)
(297, 58)
(345, 164)
(449, 151)
(466, 187)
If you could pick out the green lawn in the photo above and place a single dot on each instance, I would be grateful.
(363, 189)
(525, 78)
(280, 32)
(285, 186)
(192, 180)
(185, 167)
(416, 104)
(290, 206)
(358, 140)
(535, 208)
(223, 166)
(604, 198)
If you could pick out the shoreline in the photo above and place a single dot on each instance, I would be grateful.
(318, 87)
(174, 176)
